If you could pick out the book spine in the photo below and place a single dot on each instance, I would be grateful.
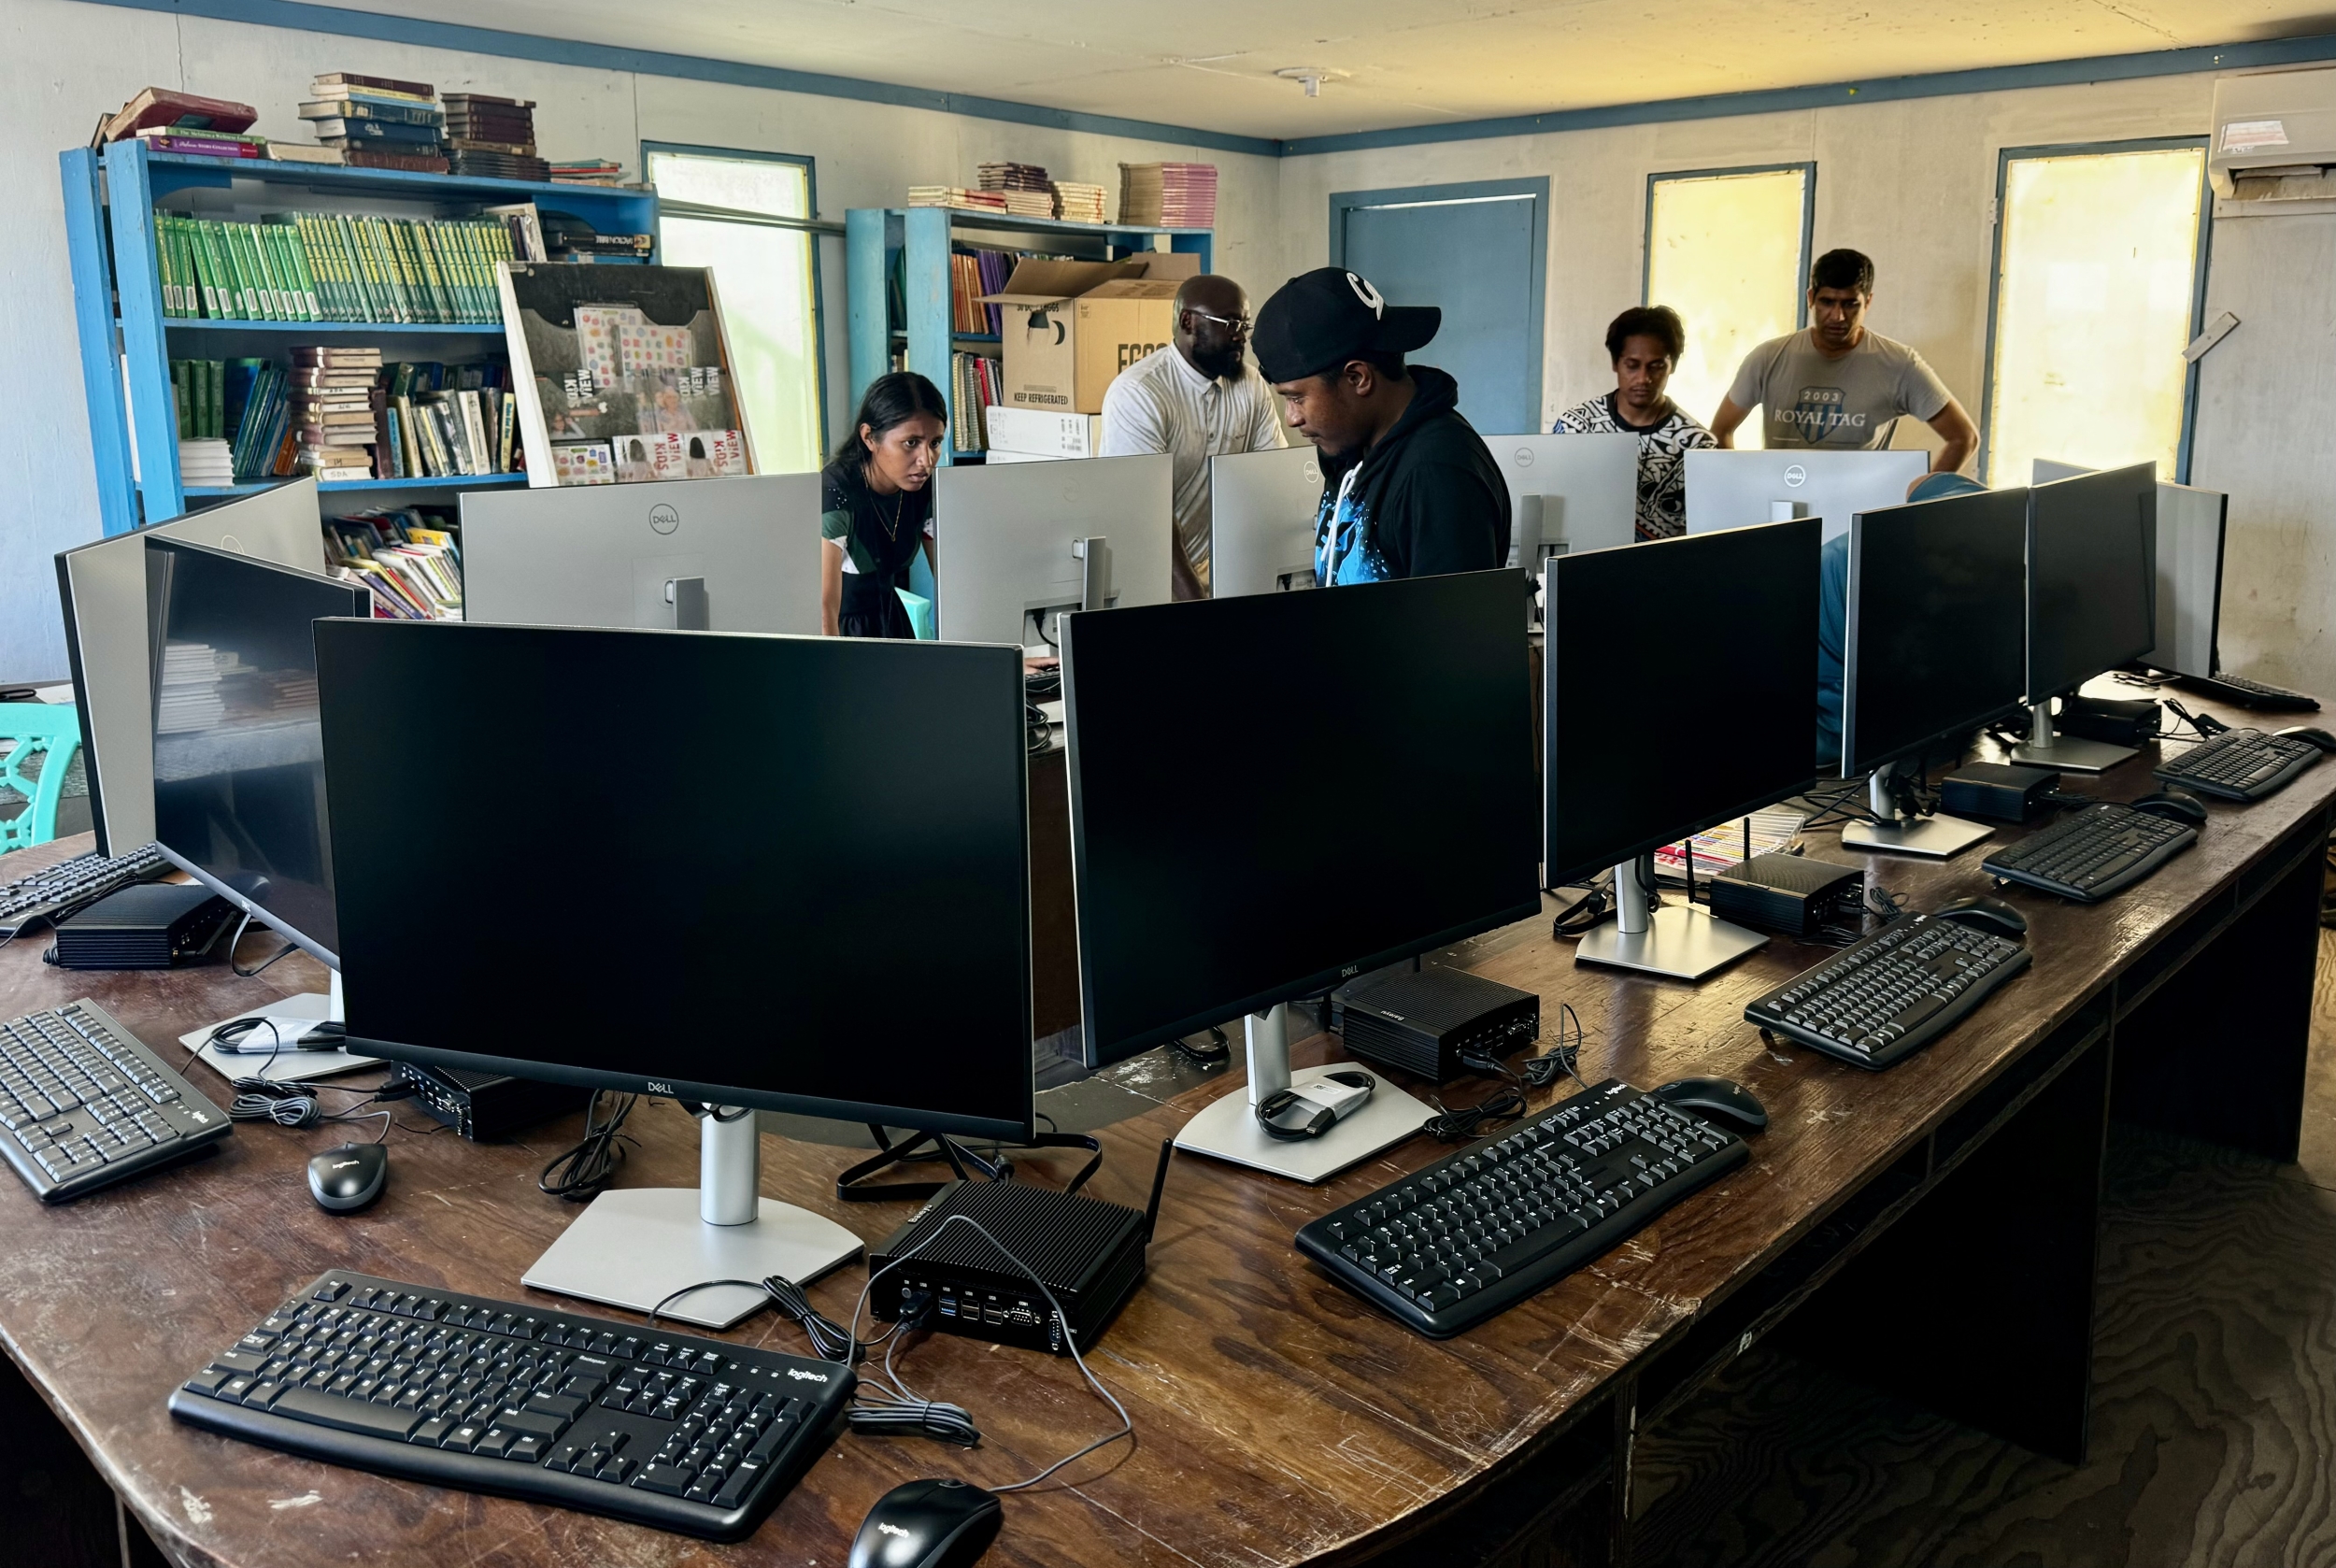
(475, 432)
(409, 436)
(510, 426)
(427, 240)
(264, 272)
(166, 262)
(298, 251)
(287, 279)
(215, 389)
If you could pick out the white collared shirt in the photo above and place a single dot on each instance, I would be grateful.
(1161, 403)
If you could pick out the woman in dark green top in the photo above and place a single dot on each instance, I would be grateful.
(877, 507)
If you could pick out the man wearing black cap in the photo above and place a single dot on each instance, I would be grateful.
(1408, 489)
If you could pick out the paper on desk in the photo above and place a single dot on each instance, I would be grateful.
(1723, 846)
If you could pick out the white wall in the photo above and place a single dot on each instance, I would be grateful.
(75, 61)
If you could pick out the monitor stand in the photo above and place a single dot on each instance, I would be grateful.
(635, 1245)
(2043, 749)
(1229, 1129)
(1932, 837)
(1678, 941)
(291, 1016)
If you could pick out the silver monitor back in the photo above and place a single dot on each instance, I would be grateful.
(1584, 488)
(2191, 523)
(1006, 538)
(101, 588)
(1734, 489)
(723, 555)
(1261, 513)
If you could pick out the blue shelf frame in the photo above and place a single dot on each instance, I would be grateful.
(923, 235)
(468, 481)
(110, 212)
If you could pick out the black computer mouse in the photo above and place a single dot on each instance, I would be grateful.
(345, 1179)
(927, 1524)
(2175, 806)
(1985, 914)
(1722, 1099)
(2314, 733)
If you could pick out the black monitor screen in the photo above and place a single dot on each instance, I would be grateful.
(239, 769)
(1681, 679)
(1936, 625)
(2092, 576)
(1272, 791)
(785, 872)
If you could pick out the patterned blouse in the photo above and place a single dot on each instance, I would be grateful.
(1663, 460)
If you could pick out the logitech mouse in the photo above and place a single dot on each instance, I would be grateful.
(1987, 914)
(2175, 806)
(345, 1179)
(2314, 733)
(927, 1524)
(1721, 1098)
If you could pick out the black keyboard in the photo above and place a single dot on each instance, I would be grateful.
(1482, 1229)
(2240, 765)
(668, 1430)
(2238, 691)
(2092, 854)
(84, 1104)
(1887, 995)
(57, 891)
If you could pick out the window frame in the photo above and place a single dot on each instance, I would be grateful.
(809, 223)
(1807, 170)
(2201, 255)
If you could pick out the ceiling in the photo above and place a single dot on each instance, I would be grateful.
(1397, 63)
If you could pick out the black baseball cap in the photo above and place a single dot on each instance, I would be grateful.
(1329, 315)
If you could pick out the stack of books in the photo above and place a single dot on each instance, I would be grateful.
(977, 385)
(493, 139)
(378, 123)
(409, 557)
(1080, 204)
(1027, 190)
(187, 696)
(202, 143)
(958, 196)
(1168, 195)
(448, 420)
(974, 273)
(166, 108)
(337, 403)
(205, 462)
(588, 171)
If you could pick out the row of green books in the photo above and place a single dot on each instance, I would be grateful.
(242, 401)
(332, 266)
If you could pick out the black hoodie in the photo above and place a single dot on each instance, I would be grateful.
(1427, 499)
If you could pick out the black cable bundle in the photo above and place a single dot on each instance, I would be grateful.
(584, 1171)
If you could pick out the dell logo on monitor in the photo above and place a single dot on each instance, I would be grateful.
(656, 1088)
(663, 519)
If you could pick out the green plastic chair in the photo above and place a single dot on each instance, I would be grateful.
(53, 733)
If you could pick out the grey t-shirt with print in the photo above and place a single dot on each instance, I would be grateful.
(1847, 403)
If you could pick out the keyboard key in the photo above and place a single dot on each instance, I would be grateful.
(671, 1479)
(348, 1415)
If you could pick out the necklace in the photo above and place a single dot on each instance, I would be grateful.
(892, 529)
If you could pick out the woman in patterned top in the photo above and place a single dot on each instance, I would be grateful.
(876, 507)
(1644, 343)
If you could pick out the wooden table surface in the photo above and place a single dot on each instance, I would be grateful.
(1278, 1420)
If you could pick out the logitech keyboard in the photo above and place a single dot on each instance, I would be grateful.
(2240, 692)
(49, 894)
(674, 1431)
(1887, 995)
(2240, 765)
(2091, 854)
(1481, 1229)
(85, 1103)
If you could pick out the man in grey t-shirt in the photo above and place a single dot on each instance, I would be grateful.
(1838, 386)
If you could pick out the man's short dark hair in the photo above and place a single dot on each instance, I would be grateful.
(1388, 363)
(1657, 322)
(1842, 269)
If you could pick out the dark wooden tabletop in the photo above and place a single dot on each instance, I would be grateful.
(1278, 1420)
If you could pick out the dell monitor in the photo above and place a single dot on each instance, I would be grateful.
(238, 767)
(1934, 640)
(1020, 543)
(1739, 640)
(2092, 599)
(1262, 508)
(1415, 830)
(1732, 489)
(2191, 523)
(725, 555)
(101, 588)
(835, 804)
(1568, 492)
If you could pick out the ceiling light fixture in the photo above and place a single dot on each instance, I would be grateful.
(1312, 76)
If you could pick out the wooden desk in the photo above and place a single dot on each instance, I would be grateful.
(1931, 1226)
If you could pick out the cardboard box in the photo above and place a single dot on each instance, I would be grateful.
(997, 454)
(1070, 327)
(1041, 432)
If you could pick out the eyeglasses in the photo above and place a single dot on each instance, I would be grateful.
(1240, 326)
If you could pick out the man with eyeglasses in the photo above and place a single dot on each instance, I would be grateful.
(1194, 398)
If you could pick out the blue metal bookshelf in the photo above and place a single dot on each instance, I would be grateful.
(127, 343)
(921, 237)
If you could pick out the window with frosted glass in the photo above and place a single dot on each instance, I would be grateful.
(1728, 250)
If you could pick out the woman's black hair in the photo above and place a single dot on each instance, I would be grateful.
(890, 400)
(1657, 322)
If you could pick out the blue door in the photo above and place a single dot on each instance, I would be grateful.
(1476, 252)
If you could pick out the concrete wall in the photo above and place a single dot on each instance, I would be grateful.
(75, 61)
